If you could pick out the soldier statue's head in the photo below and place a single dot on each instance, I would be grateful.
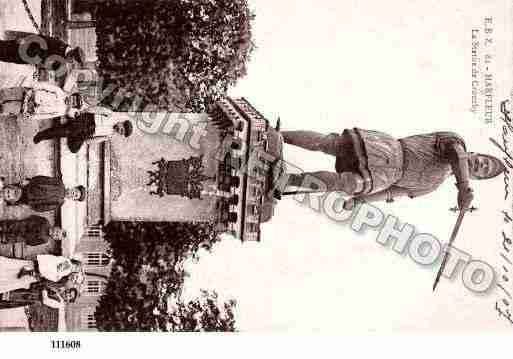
(483, 166)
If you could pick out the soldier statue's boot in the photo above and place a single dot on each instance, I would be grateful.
(277, 194)
(278, 179)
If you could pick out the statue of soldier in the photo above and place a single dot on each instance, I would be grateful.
(373, 166)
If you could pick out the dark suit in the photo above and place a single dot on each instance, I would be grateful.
(80, 132)
(32, 231)
(11, 51)
(43, 193)
(76, 131)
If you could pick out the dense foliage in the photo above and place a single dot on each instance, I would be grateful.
(199, 314)
(144, 290)
(176, 55)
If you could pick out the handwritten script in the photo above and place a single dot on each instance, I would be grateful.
(503, 304)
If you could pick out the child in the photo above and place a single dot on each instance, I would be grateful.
(21, 274)
(43, 100)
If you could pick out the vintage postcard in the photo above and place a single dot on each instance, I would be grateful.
(256, 166)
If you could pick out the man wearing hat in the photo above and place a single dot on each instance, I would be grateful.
(32, 231)
(34, 49)
(94, 123)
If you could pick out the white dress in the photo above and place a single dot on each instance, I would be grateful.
(53, 267)
(46, 100)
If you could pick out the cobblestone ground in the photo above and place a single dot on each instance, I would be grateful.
(12, 16)
(19, 158)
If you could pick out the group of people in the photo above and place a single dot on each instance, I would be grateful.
(44, 100)
(51, 280)
(23, 282)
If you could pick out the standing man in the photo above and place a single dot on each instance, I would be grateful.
(35, 49)
(373, 166)
(96, 123)
(41, 193)
(33, 231)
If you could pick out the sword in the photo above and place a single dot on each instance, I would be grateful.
(289, 193)
(451, 240)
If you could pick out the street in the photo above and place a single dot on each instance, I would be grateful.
(19, 157)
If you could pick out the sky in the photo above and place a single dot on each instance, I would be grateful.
(401, 67)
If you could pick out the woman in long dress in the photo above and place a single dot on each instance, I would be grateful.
(13, 310)
(45, 293)
(20, 274)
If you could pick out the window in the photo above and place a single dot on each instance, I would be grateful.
(252, 227)
(97, 259)
(94, 232)
(94, 288)
(256, 191)
(253, 209)
(91, 322)
(88, 321)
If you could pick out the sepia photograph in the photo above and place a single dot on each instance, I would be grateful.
(255, 166)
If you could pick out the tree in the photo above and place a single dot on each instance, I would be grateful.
(200, 314)
(175, 55)
(148, 270)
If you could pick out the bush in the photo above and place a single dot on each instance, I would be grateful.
(148, 270)
(179, 55)
(200, 314)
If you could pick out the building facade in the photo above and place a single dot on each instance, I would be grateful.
(94, 252)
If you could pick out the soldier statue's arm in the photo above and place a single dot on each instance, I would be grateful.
(458, 158)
